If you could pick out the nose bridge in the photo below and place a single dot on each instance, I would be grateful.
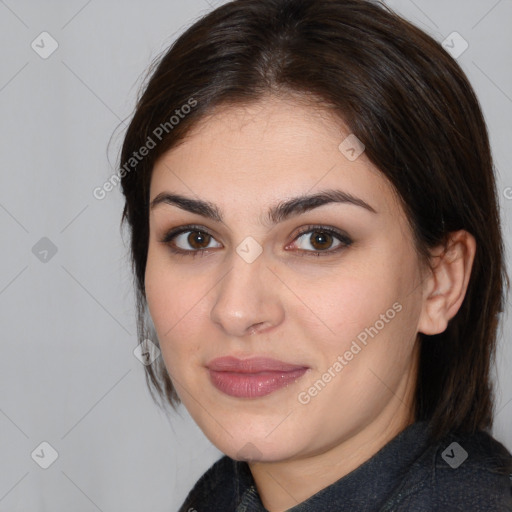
(244, 296)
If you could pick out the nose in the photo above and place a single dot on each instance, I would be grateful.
(247, 300)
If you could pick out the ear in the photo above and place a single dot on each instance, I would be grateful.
(445, 286)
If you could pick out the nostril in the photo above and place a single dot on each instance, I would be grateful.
(254, 328)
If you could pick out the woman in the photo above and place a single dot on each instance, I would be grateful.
(316, 238)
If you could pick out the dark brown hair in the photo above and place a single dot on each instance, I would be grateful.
(410, 104)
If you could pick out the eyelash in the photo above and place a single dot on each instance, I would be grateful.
(344, 239)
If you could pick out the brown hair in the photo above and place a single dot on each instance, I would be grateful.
(410, 104)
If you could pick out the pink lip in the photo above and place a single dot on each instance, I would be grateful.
(252, 378)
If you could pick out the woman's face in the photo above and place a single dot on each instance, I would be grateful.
(287, 333)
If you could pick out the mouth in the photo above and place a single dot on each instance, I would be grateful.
(252, 378)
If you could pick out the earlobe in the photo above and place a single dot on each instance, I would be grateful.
(446, 285)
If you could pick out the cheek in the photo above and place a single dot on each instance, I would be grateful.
(369, 313)
(348, 302)
(370, 352)
(175, 303)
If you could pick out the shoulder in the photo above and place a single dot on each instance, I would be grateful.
(217, 485)
(475, 469)
(460, 473)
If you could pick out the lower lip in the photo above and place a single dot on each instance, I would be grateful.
(253, 385)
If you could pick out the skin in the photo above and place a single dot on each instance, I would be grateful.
(289, 304)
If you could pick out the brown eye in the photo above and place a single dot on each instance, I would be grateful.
(320, 240)
(190, 240)
(317, 240)
(198, 239)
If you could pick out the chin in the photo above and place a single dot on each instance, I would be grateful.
(249, 437)
(257, 449)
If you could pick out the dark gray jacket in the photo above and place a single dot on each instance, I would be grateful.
(466, 473)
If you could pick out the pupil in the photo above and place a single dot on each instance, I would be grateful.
(322, 239)
(197, 239)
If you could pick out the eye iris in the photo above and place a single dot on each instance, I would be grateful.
(321, 238)
(198, 240)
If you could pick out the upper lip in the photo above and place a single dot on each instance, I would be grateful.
(251, 365)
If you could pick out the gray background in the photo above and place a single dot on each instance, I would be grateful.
(68, 375)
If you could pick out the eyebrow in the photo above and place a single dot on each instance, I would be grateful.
(275, 214)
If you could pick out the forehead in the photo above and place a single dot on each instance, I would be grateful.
(263, 152)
